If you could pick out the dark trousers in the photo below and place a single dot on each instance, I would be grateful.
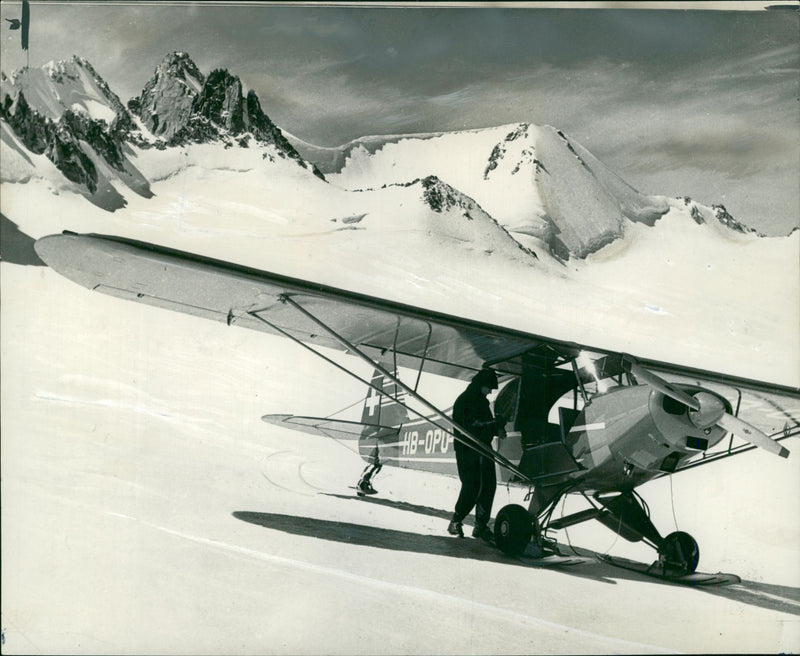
(478, 485)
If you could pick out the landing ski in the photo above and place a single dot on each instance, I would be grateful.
(362, 493)
(693, 579)
(553, 560)
(548, 559)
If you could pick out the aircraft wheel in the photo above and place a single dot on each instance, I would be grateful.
(680, 551)
(513, 529)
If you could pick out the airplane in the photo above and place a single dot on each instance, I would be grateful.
(581, 420)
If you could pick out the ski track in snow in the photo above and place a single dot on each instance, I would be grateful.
(274, 470)
(108, 403)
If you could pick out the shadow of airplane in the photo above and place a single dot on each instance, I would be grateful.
(444, 515)
(394, 540)
(764, 595)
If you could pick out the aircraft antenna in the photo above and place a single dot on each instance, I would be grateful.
(672, 501)
(345, 409)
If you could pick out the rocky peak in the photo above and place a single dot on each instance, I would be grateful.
(65, 110)
(500, 150)
(180, 105)
(441, 197)
(165, 103)
(221, 101)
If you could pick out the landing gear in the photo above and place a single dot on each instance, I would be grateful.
(627, 515)
(513, 529)
(679, 553)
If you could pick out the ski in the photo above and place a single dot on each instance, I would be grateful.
(693, 579)
(554, 560)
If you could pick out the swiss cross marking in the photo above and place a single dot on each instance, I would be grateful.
(374, 399)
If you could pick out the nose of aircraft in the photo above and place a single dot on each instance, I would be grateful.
(725, 420)
(711, 410)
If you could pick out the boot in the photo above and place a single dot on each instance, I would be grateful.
(364, 487)
(455, 528)
(483, 532)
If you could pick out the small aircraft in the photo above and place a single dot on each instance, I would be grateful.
(580, 419)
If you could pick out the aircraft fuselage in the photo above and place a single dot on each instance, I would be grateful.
(620, 439)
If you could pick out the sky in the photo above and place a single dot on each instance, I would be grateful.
(680, 102)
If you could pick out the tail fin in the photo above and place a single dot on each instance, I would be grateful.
(380, 410)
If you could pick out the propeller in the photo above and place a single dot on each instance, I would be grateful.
(645, 376)
(752, 434)
(706, 410)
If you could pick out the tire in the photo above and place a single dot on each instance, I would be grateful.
(680, 551)
(513, 529)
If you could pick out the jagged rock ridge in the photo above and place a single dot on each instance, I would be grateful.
(68, 113)
(703, 215)
(180, 105)
(73, 105)
(165, 103)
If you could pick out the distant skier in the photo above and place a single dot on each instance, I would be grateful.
(477, 473)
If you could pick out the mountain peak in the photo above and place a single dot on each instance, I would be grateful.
(221, 101)
(63, 86)
(165, 103)
(180, 105)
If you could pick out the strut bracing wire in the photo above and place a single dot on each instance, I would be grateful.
(442, 421)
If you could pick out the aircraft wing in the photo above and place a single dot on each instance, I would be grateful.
(242, 296)
(259, 300)
(322, 316)
(337, 429)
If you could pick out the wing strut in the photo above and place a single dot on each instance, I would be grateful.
(449, 426)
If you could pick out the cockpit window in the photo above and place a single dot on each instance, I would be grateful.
(506, 402)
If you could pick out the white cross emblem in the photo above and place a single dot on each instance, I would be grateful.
(374, 399)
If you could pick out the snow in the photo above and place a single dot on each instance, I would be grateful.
(147, 509)
(527, 177)
(59, 86)
(720, 309)
(460, 159)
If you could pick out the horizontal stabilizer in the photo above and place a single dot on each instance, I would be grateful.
(337, 429)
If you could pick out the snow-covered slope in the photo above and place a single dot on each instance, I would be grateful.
(71, 85)
(532, 179)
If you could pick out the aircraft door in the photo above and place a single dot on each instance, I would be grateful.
(507, 405)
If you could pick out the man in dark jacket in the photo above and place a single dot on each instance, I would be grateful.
(478, 479)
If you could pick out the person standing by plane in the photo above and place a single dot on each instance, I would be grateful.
(477, 473)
